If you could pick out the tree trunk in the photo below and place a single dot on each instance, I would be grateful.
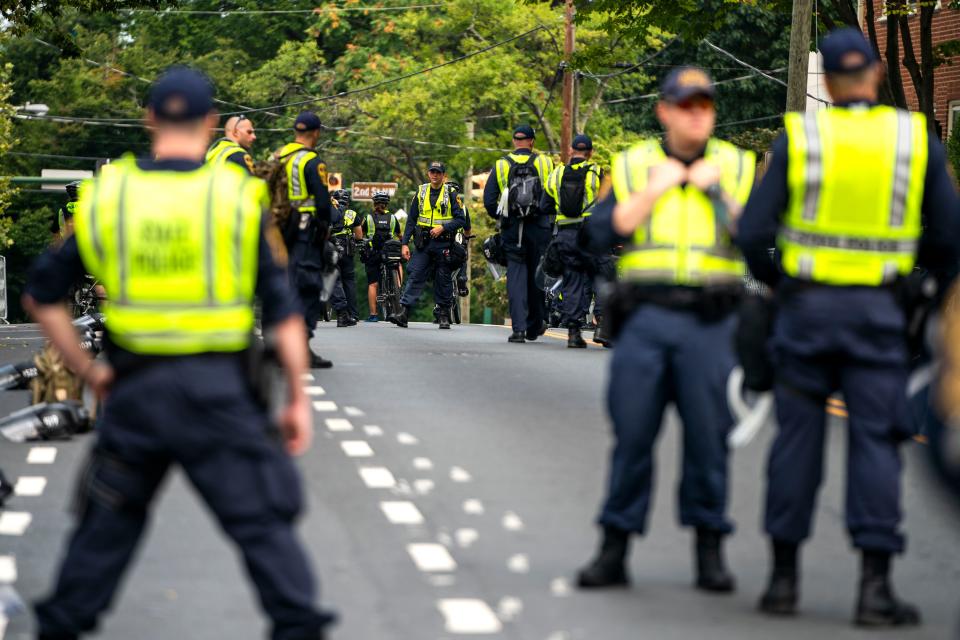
(893, 58)
(870, 18)
(799, 55)
(928, 64)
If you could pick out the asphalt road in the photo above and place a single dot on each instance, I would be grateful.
(453, 492)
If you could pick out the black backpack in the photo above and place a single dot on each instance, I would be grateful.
(523, 188)
(573, 185)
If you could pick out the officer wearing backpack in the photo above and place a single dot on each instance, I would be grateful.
(570, 191)
(378, 228)
(434, 219)
(308, 224)
(346, 228)
(512, 196)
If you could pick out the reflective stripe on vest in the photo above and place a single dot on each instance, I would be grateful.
(296, 156)
(438, 213)
(855, 178)
(377, 224)
(180, 265)
(349, 217)
(590, 188)
(685, 241)
(222, 149)
(542, 163)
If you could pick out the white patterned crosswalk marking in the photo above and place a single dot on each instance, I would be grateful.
(324, 405)
(14, 523)
(29, 486)
(356, 448)
(315, 391)
(377, 477)
(373, 430)
(8, 569)
(468, 615)
(431, 557)
(401, 512)
(339, 424)
(353, 412)
(42, 455)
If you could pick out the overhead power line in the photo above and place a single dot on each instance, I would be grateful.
(756, 70)
(647, 96)
(260, 12)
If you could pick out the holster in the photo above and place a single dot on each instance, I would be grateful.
(265, 378)
(711, 305)
(421, 236)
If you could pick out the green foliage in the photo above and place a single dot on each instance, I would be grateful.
(7, 142)
(953, 152)
(30, 235)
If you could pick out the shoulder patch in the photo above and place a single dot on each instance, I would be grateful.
(247, 160)
(322, 171)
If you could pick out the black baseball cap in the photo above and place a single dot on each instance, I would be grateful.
(846, 51)
(523, 132)
(582, 142)
(437, 166)
(307, 121)
(684, 83)
(181, 94)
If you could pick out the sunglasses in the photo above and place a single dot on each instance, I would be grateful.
(696, 102)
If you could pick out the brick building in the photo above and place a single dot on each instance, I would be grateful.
(946, 26)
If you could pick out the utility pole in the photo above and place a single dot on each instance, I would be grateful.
(799, 55)
(566, 133)
(467, 201)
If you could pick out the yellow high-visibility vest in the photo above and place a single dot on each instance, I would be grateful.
(542, 163)
(591, 187)
(685, 241)
(431, 215)
(855, 178)
(295, 157)
(222, 149)
(177, 252)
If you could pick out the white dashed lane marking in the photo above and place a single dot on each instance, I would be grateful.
(518, 563)
(406, 438)
(324, 405)
(353, 412)
(8, 570)
(512, 522)
(14, 523)
(459, 475)
(377, 477)
(307, 377)
(423, 464)
(315, 391)
(401, 512)
(468, 615)
(560, 587)
(423, 486)
(339, 424)
(30, 486)
(431, 557)
(373, 430)
(466, 537)
(509, 608)
(473, 506)
(356, 448)
(42, 455)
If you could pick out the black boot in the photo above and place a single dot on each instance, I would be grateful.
(877, 605)
(533, 334)
(517, 336)
(783, 591)
(608, 569)
(574, 339)
(344, 321)
(712, 574)
(318, 362)
(6, 489)
(600, 336)
(444, 318)
(400, 319)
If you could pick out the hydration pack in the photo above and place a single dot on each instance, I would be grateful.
(523, 188)
(573, 186)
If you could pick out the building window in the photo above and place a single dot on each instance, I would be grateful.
(953, 107)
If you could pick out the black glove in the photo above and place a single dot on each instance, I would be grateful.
(750, 341)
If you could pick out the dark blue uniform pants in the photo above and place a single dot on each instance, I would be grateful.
(422, 265)
(307, 280)
(849, 340)
(667, 356)
(576, 288)
(195, 413)
(344, 296)
(526, 300)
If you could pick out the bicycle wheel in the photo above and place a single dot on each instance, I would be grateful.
(393, 298)
(382, 286)
(455, 308)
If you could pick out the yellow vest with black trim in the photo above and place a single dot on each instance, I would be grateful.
(222, 149)
(433, 214)
(591, 187)
(349, 218)
(685, 241)
(542, 163)
(178, 253)
(855, 178)
(295, 157)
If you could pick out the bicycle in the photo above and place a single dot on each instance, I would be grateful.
(388, 292)
(85, 299)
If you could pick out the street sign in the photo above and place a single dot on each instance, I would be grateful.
(364, 190)
(3, 289)
(67, 175)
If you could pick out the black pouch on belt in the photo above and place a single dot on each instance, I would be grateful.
(754, 327)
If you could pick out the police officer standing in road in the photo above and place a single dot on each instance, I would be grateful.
(512, 196)
(855, 198)
(236, 144)
(672, 204)
(378, 228)
(346, 228)
(182, 246)
(310, 201)
(569, 193)
(435, 217)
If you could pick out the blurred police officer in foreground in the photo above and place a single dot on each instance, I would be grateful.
(512, 196)
(435, 218)
(310, 201)
(345, 229)
(570, 191)
(182, 247)
(236, 143)
(856, 197)
(672, 205)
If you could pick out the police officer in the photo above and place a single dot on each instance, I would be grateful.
(378, 227)
(672, 204)
(526, 231)
(346, 228)
(236, 144)
(185, 273)
(310, 201)
(570, 191)
(65, 214)
(435, 217)
(855, 198)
